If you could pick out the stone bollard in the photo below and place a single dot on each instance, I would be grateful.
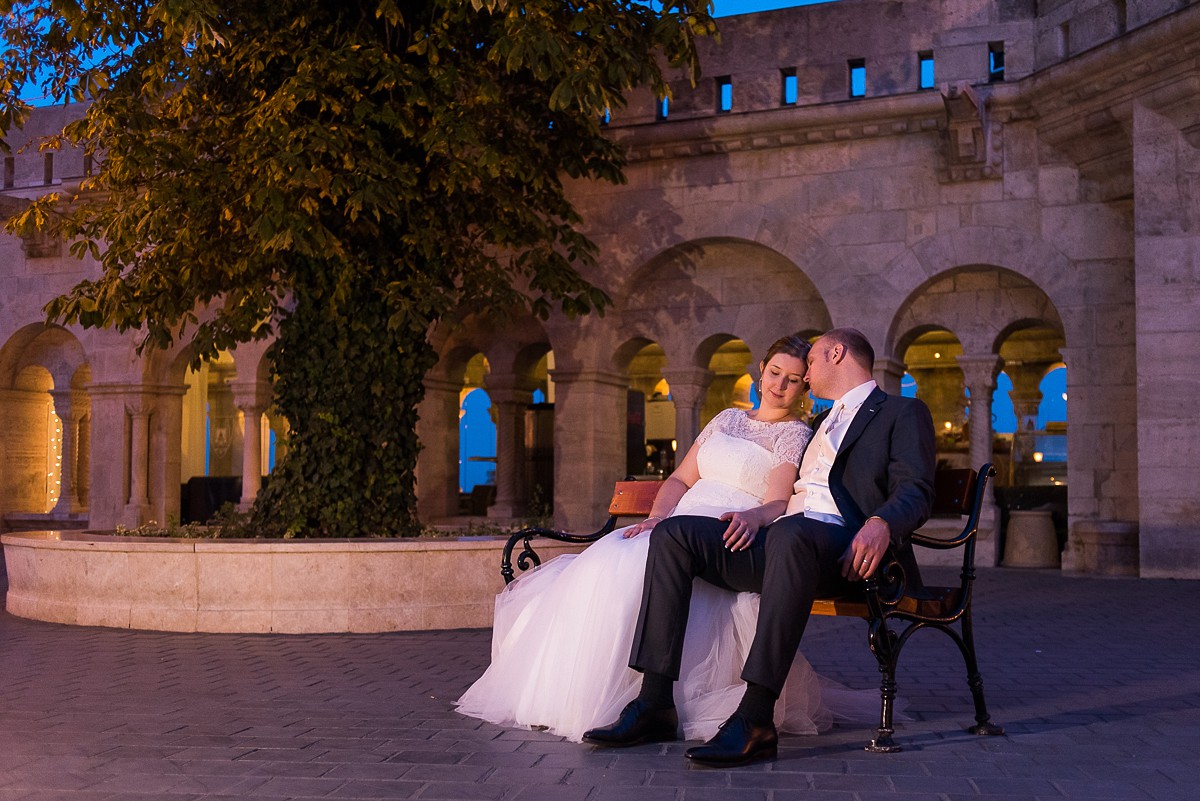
(1030, 540)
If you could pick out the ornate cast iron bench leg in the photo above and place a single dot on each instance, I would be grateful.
(983, 724)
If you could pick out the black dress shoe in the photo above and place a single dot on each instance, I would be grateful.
(637, 724)
(737, 742)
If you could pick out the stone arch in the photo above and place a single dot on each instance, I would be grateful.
(769, 226)
(1017, 254)
(50, 346)
(981, 304)
(45, 428)
(515, 346)
(719, 286)
(982, 317)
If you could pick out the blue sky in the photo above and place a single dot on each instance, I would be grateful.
(727, 8)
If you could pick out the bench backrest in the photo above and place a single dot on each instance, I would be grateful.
(633, 498)
(952, 494)
(953, 491)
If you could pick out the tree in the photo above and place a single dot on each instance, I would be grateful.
(339, 173)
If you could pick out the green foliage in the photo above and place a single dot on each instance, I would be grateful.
(341, 173)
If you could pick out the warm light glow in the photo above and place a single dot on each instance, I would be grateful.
(1064, 396)
(1037, 456)
(54, 461)
(947, 425)
(674, 445)
(937, 354)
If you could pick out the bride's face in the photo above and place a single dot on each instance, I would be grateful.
(783, 381)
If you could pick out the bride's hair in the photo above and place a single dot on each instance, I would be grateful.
(793, 345)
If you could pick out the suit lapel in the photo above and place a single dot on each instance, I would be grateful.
(866, 413)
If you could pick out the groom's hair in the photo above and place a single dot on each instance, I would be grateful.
(855, 344)
(792, 345)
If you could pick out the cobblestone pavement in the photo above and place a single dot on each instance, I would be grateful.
(1097, 682)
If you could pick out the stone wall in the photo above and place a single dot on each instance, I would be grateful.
(1060, 200)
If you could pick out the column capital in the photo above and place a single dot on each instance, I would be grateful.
(889, 373)
(437, 384)
(606, 377)
(688, 384)
(251, 395)
(980, 369)
(510, 388)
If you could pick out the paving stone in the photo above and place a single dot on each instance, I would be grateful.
(1107, 711)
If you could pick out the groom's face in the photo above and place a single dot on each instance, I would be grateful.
(820, 368)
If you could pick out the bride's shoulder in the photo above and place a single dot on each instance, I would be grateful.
(798, 429)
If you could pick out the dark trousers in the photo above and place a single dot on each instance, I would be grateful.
(790, 563)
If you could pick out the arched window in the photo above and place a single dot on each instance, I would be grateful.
(476, 441)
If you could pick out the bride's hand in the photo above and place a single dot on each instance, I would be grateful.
(742, 531)
(637, 528)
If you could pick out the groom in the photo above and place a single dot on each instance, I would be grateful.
(865, 482)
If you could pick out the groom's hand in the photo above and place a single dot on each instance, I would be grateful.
(866, 550)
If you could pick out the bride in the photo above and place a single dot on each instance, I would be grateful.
(562, 632)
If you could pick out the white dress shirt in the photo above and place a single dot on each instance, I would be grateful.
(812, 497)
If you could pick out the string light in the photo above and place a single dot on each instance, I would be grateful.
(54, 459)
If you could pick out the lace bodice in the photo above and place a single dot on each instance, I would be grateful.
(735, 454)
(784, 441)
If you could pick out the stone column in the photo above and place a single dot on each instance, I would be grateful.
(688, 388)
(889, 374)
(979, 375)
(1162, 437)
(70, 413)
(83, 459)
(590, 410)
(252, 399)
(137, 507)
(108, 476)
(510, 395)
(437, 463)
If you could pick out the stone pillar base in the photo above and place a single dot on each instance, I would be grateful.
(1102, 548)
(1030, 540)
(135, 515)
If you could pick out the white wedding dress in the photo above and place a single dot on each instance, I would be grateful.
(563, 632)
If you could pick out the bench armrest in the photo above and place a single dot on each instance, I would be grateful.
(528, 558)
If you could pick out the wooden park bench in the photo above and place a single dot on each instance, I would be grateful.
(893, 614)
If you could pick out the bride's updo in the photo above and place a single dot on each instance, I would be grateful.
(793, 345)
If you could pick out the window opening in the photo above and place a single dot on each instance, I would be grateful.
(995, 62)
(858, 77)
(925, 69)
(724, 94)
(791, 87)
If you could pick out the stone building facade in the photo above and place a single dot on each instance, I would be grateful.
(978, 186)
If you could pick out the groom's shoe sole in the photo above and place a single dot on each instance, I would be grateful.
(636, 726)
(757, 756)
(737, 742)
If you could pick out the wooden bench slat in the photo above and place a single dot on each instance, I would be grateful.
(840, 607)
(633, 498)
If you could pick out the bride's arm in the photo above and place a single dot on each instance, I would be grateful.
(744, 525)
(679, 482)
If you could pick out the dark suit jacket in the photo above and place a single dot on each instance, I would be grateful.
(885, 468)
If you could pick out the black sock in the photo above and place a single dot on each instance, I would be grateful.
(657, 691)
(758, 705)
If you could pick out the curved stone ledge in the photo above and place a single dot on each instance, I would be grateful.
(255, 586)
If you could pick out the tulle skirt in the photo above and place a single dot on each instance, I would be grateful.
(561, 641)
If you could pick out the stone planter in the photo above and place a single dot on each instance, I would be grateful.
(284, 586)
